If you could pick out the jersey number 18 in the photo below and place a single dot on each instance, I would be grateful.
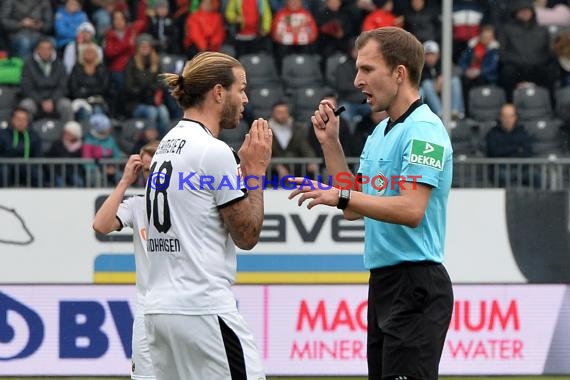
(156, 188)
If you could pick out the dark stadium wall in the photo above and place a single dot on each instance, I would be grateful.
(538, 228)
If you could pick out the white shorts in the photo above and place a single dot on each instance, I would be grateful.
(141, 368)
(203, 347)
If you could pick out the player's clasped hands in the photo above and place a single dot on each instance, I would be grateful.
(255, 152)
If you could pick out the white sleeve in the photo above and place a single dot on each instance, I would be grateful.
(125, 213)
(221, 166)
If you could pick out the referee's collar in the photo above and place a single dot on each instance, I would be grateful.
(391, 124)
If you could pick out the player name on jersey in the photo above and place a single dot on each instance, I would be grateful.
(170, 146)
(163, 245)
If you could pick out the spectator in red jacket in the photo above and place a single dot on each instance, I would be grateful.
(382, 16)
(120, 40)
(294, 30)
(205, 29)
(120, 46)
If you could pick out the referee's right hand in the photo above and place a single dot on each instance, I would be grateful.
(325, 122)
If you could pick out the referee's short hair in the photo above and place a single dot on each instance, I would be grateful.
(398, 47)
(199, 76)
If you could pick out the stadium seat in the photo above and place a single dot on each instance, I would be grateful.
(234, 137)
(129, 131)
(262, 99)
(562, 99)
(546, 136)
(49, 131)
(261, 70)
(8, 95)
(305, 101)
(484, 102)
(301, 70)
(467, 143)
(464, 138)
(331, 65)
(532, 103)
(228, 49)
(172, 63)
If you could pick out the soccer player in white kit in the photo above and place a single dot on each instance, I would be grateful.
(116, 213)
(195, 330)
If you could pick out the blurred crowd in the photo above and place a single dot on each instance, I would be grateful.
(75, 75)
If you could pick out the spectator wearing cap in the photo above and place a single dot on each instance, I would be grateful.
(205, 29)
(382, 16)
(68, 146)
(143, 89)
(85, 34)
(67, 19)
(24, 22)
(44, 84)
(525, 53)
(98, 144)
(432, 81)
(19, 141)
(162, 27)
(88, 83)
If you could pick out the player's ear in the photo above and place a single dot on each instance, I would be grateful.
(401, 73)
(218, 93)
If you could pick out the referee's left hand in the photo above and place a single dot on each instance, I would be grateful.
(318, 193)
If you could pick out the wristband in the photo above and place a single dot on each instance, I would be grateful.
(343, 198)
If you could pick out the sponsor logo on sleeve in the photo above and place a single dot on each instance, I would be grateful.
(427, 154)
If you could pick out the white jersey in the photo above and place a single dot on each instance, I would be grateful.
(132, 214)
(192, 256)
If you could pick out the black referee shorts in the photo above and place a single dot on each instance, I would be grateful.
(409, 310)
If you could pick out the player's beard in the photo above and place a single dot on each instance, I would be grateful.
(230, 115)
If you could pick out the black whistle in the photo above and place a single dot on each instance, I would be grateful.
(337, 112)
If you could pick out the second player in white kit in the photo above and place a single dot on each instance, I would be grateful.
(115, 214)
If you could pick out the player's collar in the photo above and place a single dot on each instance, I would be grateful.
(201, 125)
(403, 117)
